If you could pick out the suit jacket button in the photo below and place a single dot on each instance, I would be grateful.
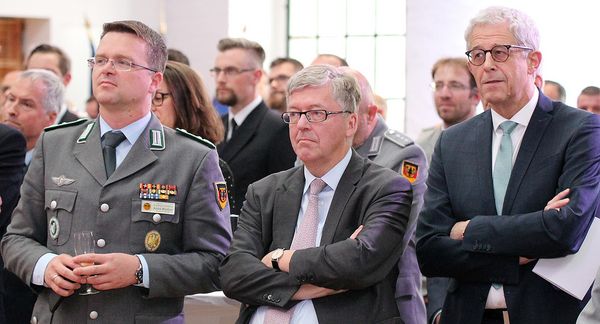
(93, 315)
(101, 243)
(104, 207)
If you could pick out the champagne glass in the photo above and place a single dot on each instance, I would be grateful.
(84, 243)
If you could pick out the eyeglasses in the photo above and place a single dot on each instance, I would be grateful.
(453, 86)
(159, 98)
(229, 71)
(500, 53)
(313, 116)
(280, 78)
(118, 64)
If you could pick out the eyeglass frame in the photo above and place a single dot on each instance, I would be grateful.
(508, 47)
(162, 98)
(450, 85)
(229, 71)
(308, 113)
(93, 61)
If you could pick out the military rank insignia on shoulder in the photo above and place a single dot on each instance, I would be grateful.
(196, 138)
(66, 124)
(398, 138)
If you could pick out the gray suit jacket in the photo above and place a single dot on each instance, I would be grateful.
(193, 240)
(367, 194)
(559, 150)
(591, 312)
(396, 151)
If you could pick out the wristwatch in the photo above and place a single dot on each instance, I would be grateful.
(139, 274)
(275, 256)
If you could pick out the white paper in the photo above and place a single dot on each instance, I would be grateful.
(575, 273)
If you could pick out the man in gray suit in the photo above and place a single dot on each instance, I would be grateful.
(455, 97)
(155, 201)
(498, 182)
(320, 255)
(396, 151)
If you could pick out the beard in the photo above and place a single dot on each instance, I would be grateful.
(277, 101)
(229, 98)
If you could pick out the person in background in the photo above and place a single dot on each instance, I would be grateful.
(55, 60)
(91, 107)
(330, 59)
(497, 197)
(396, 151)
(554, 91)
(589, 99)
(256, 142)
(281, 70)
(177, 56)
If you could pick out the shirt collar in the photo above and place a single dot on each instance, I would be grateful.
(132, 131)
(522, 117)
(242, 114)
(332, 177)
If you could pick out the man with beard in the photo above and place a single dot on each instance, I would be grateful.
(455, 96)
(256, 139)
(281, 71)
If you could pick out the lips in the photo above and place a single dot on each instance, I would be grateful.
(107, 82)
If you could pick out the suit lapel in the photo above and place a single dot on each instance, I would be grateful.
(344, 191)
(244, 133)
(483, 138)
(531, 140)
(89, 154)
(286, 207)
(140, 154)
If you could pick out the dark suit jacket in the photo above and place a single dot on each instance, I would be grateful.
(560, 149)
(367, 194)
(16, 300)
(259, 147)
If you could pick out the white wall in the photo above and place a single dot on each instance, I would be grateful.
(193, 26)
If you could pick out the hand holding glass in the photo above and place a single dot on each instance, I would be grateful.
(84, 243)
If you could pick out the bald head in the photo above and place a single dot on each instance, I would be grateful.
(367, 109)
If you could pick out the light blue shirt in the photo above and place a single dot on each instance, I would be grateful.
(132, 132)
(305, 313)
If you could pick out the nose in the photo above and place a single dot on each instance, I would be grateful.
(9, 107)
(303, 122)
(489, 62)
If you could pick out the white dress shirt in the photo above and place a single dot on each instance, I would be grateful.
(241, 115)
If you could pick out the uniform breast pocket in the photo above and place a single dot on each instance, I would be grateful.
(155, 227)
(59, 207)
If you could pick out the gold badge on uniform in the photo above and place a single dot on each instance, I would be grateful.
(221, 194)
(410, 171)
(152, 241)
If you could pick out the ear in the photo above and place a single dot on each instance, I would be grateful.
(155, 82)
(67, 78)
(533, 60)
(52, 118)
(258, 74)
(352, 126)
(372, 112)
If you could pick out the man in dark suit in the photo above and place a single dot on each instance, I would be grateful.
(497, 185)
(53, 59)
(326, 254)
(256, 142)
(396, 151)
(12, 161)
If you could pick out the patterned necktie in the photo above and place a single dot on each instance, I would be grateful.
(502, 169)
(305, 237)
(109, 143)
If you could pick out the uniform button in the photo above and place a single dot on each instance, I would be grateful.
(34, 320)
(101, 243)
(93, 315)
(156, 218)
(53, 204)
(104, 207)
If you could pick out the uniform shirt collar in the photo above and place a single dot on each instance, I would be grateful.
(132, 131)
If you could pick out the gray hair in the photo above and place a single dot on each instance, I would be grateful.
(521, 26)
(54, 89)
(344, 87)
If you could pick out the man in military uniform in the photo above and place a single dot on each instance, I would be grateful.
(398, 152)
(150, 194)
